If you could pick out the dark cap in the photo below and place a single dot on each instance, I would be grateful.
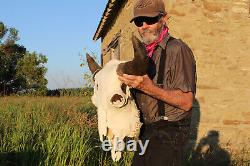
(148, 8)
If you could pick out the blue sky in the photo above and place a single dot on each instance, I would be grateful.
(59, 29)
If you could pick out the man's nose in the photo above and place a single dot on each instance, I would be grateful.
(145, 25)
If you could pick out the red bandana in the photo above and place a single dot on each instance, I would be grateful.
(150, 47)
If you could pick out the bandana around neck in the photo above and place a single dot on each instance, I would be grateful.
(150, 47)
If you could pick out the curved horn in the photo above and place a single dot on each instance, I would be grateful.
(93, 66)
(139, 65)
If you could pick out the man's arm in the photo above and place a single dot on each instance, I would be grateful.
(177, 98)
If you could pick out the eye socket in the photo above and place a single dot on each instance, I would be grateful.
(123, 87)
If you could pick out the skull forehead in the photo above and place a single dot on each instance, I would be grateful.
(108, 76)
(107, 84)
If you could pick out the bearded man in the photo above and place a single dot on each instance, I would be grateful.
(165, 95)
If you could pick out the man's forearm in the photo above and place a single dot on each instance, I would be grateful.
(177, 98)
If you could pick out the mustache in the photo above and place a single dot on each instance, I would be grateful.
(147, 31)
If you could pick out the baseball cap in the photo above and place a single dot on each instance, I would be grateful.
(148, 8)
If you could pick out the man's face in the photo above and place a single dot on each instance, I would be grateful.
(149, 28)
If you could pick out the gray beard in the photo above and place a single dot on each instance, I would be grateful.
(151, 36)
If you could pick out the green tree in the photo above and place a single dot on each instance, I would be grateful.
(19, 69)
(10, 53)
(31, 72)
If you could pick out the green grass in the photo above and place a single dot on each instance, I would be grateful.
(51, 131)
(60, 131)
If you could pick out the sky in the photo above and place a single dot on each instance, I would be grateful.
(60, 29)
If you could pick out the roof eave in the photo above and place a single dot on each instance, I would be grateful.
(106, 16)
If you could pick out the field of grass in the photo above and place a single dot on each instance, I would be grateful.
(59, 131)
(51, 131)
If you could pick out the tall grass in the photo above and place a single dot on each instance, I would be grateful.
(51, 131)
(60, 131)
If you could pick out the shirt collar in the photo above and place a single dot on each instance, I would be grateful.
(162, 44)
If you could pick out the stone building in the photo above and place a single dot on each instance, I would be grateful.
(218, 33)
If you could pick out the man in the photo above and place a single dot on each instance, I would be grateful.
(165, 95)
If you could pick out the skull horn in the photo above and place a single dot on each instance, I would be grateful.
(139, 65)
(93, 66)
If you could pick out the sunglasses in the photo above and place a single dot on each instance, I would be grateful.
(148, 20)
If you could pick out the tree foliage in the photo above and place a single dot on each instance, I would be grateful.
(20, 70)
(83, 92)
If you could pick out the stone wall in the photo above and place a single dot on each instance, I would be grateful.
(219, 34)
(123, 26)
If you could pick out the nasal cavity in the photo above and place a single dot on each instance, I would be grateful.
(115, 98)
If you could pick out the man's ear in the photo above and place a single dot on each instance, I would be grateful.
(165, 19)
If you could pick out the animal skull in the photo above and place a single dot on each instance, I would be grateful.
(117, 113)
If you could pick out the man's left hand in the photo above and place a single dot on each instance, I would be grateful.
(143, 83)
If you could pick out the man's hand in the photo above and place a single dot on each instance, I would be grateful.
(143, 83)
(175, 97)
